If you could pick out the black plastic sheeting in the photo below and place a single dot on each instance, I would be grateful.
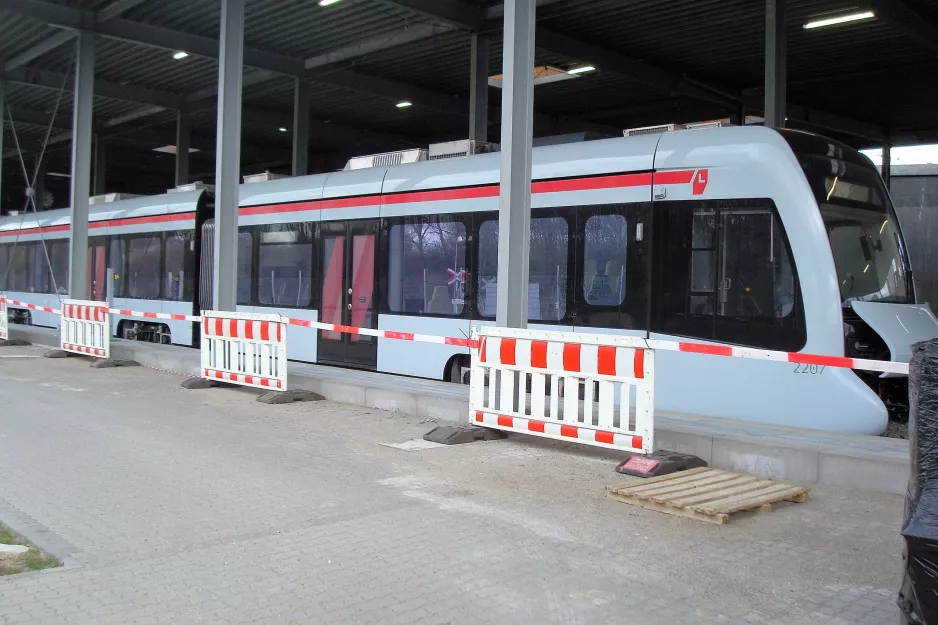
(918, 597)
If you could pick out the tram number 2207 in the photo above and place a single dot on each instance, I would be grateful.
(810, 369)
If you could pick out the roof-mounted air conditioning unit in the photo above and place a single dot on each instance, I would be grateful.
(387, 159)
(715, 123)
(263, 177)
(652, 130)
(462, 147)
(192, 186)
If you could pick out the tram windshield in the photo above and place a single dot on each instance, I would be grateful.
(862, 228)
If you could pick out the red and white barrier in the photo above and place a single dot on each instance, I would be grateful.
(85, 328)
(4, 320)
(245, 349)
(553, 367)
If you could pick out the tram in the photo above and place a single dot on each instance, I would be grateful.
(746, 236)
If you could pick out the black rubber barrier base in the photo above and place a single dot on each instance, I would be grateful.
(288, 397)
(14, 343)
(110, 363)
(459, 434)
(201, 383)
(58, 353)
(659, 463)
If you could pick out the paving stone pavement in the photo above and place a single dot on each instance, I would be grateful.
(205, 507)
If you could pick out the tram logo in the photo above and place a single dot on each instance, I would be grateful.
(700, 180)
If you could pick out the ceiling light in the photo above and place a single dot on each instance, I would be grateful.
(403, 104)
(325, 3)
(180, 55)
(841, 19)
(171, 149)
(581, 70)
(282, 129)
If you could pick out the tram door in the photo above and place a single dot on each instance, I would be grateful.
(348, 292)
(97, 270)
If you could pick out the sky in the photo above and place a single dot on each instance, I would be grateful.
(909, 155)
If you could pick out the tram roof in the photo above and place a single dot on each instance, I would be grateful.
(656, 62)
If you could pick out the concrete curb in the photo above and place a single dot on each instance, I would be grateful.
(806, 456)
(41, 536)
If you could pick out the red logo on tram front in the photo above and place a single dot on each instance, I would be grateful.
(700, 180)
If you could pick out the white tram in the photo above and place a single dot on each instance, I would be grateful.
(743, 236)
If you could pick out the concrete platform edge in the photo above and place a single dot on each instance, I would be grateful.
(828, 460)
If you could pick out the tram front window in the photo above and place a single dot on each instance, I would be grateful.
(862, 228)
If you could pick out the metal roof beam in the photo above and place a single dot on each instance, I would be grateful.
(615, 62)
(102, 88)
(408, 34)
(44, 46)
(159, 37)
(449, 12)
(390, 89)
(36, 118)
(111, 11)
(116, 9)
(755, 102)
(909, 21)
(145, 34)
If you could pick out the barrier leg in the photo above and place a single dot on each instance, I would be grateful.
(14, 343)
(459, 434)
(197, 384)
(288, 397)
(58, 353)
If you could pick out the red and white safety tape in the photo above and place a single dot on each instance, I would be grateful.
(384, 334)
(152, 315)
(819, 360)
(884, 366)
(14, 302)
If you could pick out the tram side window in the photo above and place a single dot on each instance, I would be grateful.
(427, 268)
(177, 276)
(143, 268)
(40, 277)
(18, 273)
(604, 257)
(58, 255)
(723, 271)
(4, 260)
(547, 266)
(285, 265)
(245, 266)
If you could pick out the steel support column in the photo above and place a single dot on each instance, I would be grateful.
(479, 89)
(228, 155)
(183, 135)
(100, 166)
(81, 166)
(300, 127)
(887, 164)
(3, 121)
(514, 203)
(776, 69)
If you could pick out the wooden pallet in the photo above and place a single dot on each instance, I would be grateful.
(710, 495)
